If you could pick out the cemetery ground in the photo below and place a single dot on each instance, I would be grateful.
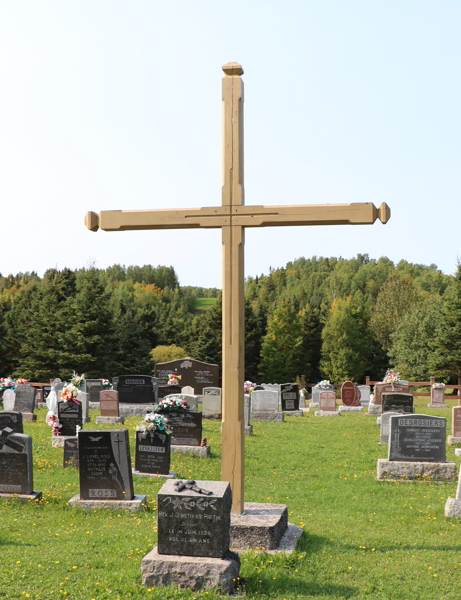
(364, 538)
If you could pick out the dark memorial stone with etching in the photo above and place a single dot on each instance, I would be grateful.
(109, 403)
(186, 427)
(289, 393)
(15, 462)
(105, 465)
(153, 452)
(417, 438)
(167, 390)
(46, 392)
(71, 453)
(93, 387)
(69, 416)
(397, 402)
(380, 388)
(193, 372)
(13, 420)
(25, 398)
(350, 394)
(194, 523)
(134, 389)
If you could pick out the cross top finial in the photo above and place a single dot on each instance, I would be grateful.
(233, 68)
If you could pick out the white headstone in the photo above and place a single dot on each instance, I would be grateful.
(188, 389)
(264, 401)
(364, 394)
(8, 400)
(211, 404)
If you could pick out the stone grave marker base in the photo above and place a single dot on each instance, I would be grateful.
(327, 413)
(452, 440)
(213, 416)
(29, 416)
(202, 451)
(138, 503)
(248, 429)
(267, 416)
(170, 475)
(22, 497)
(397, 470)
(109, 420)
(293, 413)
(314, 404)
(457, 451)
(438, 405)
(374, 409)
(378, 420)
(351, 408)
(194, 572)
(57, 441)
(453, 508)
(128, 410)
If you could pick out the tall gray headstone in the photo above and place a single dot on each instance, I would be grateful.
(417, 438)
(25, 398)
(365, 391)
(15, 463)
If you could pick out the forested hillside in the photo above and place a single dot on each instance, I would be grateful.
(319, 317)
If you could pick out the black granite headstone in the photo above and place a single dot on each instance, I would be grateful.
(153, 452)
(192, 524)
(15, 462)
(93, 387)
(25, 398)
(417, 438)
(193, 372)
(289, 393)
(71, 453)
(46, 392)
(186, 427)
(105, 464)
(167, 390)
(397, 402)
(134, 389)
(13, 420)
(69, 416)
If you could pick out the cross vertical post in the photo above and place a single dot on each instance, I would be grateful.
(233, 304)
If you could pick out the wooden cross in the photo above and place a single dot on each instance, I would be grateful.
(232, 217)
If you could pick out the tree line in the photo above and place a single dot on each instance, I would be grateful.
(321, 317)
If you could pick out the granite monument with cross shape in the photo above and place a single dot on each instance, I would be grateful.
(232, 217)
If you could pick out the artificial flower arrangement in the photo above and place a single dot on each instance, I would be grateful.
(436, 386)
(167, 405)
(69, 393)
(248, 387)
(324, 384)
(55, 424)
(77, 380)
(9, 383)
(174, 379)
(391, 376)
(106, 383)
(152, 423)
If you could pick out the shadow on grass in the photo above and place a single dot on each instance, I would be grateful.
(15, 543)
(409, 547)
(312, 543)
(259, 584)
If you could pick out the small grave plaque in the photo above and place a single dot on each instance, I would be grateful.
(93, 387)
(105, 465)
(109, 403)
(134, 389)
(153, 452)
(455, 423)
(194, 524)
(437, 395)
(327, 400)
(13, 420)
(194, 373)
(25, 398)
(417, 438)
(69, 416)
(350, 394)
(186, 427)
(397, 402)
(71, 452)
(15, 462)
(289, 393)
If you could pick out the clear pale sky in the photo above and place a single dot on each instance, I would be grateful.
(116, 105)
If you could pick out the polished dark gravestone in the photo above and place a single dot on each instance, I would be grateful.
(71, 453)
(289, 393)
(25, 398)
(105, 465)
(417, 438)
(186, 427)
(134, 389)
(15, 463)
(193, 372)
(167, 390)
(69, 416)
(13, 420)
(46, 392)
(153, 451)
(397, 402)
(93, 387)
(191, 523)
(350, 394)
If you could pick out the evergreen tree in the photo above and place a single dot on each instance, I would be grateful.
(204, 336)
(311, 328)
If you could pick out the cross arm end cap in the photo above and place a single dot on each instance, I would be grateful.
(92, 221)
(233, 68)
(384, 213)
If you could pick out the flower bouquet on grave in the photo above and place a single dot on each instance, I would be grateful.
(438, 386)
(106, 383)
(324, 384)
(173, 379)
(77, 380)
(391, 377)
(55, 424)
(7, 383)
(167, 405)
(69, 394)
(248, 387)
(152, 423)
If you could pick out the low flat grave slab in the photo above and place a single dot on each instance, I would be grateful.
(169, 475)
(202, 451)
(11, 419)
(267, 416)
(293, 413)
(261, 526)
(327, 413)
(58, 441)
(374, 409)
(409, 471)
(110, 420)
(348, 409)
(137, 503)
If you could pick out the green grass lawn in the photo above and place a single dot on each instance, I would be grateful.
(363, 538)
(205, 303)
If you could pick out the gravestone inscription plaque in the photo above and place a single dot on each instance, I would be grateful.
(437, 395)
(15, 462)
(190, 523)
(397, 402)
(289, 393)
(153, 452)
(327, 400)
(186, 427)
(13, 420)
(105, 465)
(25, 398)
(417, 438)
(109, 403)
(194, 373)
(134, 389)
(69, 416)
(350, 394)
(71, 453)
